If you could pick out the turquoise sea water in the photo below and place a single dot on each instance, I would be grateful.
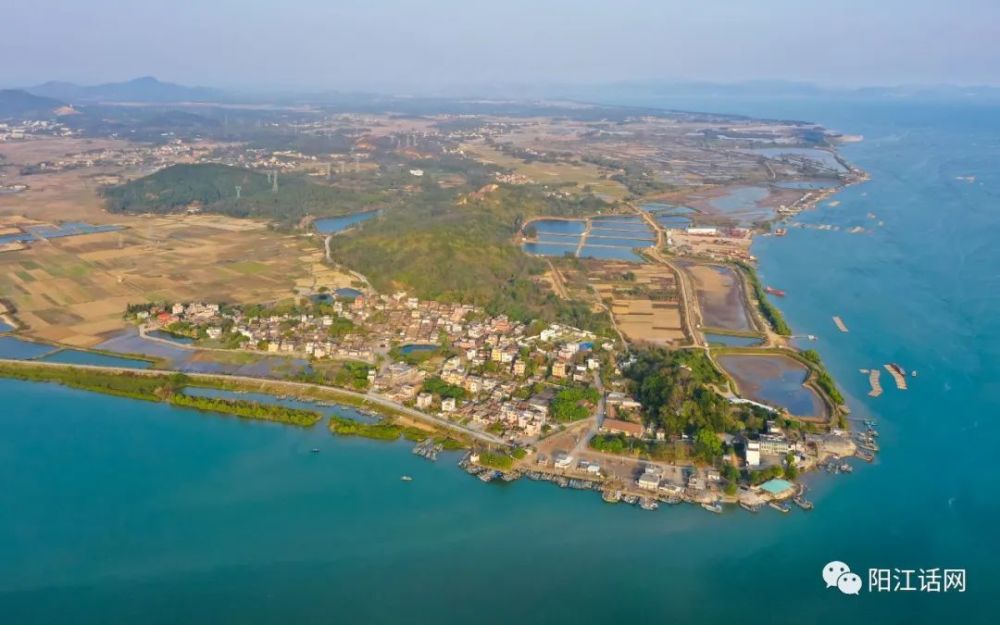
(113, 511)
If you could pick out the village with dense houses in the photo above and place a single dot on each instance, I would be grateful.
(527, 383)
(454, 360)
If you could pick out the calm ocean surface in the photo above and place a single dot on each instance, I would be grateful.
(114, 511)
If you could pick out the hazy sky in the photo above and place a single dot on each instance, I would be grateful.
(398, 44)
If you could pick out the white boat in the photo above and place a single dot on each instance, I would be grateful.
(406, 478)
(715, 507)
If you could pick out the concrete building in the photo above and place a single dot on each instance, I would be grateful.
(424, 400)
(650, 479)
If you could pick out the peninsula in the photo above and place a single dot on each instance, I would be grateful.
(568, 291)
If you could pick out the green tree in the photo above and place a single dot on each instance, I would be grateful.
(707, 445)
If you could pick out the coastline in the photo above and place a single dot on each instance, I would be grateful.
(393, 410)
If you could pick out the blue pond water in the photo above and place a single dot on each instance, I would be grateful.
(806, 184)
(673, 221)
(5, 327)
(610, 253)
(740, 200)
(347, 293)
(417, 347)
(610, 240)
(775, 380)
(619, 233)
(823, 157)
(186, 359)
(558, 226)
(333, 225)
(639, 231)
(173, 338)
(732, 341)
(549, 249)
(19, 349)
(68, 229)
(80, 357)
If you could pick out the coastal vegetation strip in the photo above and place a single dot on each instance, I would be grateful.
(823, 378)
(769, 311)
(496, 460)
(249, 409)
(157, 388)
(168, 387)
(383, 430)
(120, 384)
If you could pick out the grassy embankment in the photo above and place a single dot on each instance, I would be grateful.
(769, 311)
(157, 388)
(383, 430)
(168, 388)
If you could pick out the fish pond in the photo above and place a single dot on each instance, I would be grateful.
(69, 229)
(82, 357)
(14, 348)
(415, 348)
(822, 158)
(333, 225)
(774, 379)
(732, 340)
(741, 203)
(608, 238)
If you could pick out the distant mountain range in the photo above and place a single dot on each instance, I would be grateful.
(21, 104)
(149, 90)
(145, 89)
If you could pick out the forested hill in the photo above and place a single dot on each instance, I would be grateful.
(463, 252)
(15, 103)
(440, 242)
(212, 188)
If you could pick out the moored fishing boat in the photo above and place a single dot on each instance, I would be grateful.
(779, 506)
(714, 506)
